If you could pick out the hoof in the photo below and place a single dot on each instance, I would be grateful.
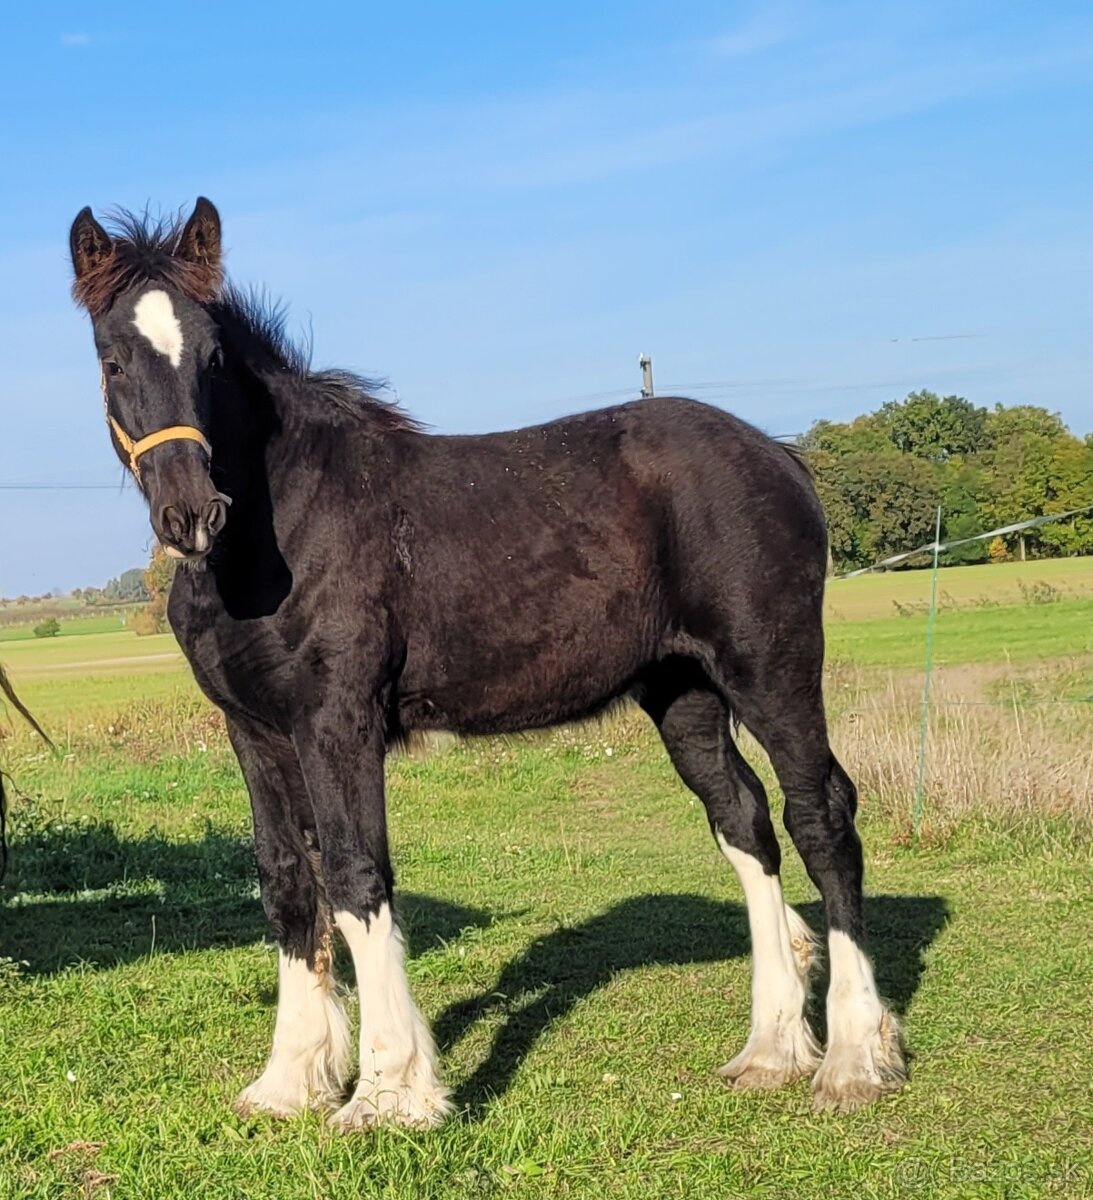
(398, 1106)
(260, 1099)
(281, 1096)
(773, 1061)
(847, 1094)
(853, 1076)
(759, 1077)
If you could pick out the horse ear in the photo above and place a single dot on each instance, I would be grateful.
(200, 240)
(89, 243)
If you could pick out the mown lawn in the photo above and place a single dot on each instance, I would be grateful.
(74, 626)
(881, 594)
(576, 938)
(1011, 633)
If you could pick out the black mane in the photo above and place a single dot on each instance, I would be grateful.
(258, 325)
(146, 250)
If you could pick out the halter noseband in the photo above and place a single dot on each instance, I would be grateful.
(173, 433)
(135, 449)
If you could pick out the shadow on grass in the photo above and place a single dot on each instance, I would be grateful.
(82, 895)
(561, 969)
(112, 900)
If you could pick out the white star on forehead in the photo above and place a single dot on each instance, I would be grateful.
(154, 317)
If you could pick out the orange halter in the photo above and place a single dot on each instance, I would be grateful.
(172, 433)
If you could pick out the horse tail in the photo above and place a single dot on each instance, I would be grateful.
(24, 712)
(21, 709)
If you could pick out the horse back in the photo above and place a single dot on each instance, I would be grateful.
(547, 567)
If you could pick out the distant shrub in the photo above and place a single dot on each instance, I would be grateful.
(145, 622)
(997, 550)
(1039, 592)
(50, 627)
(152, 617)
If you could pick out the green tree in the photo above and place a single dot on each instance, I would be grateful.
(1036, 467)
(50, 627)
(876, 504)
(863, 435)
(881, 477)
(842, 520)
(1022, 420)
(903, 507)
(127, 588)
(961, 516)
(934, 427)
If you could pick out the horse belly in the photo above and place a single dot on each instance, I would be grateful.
(488, 675)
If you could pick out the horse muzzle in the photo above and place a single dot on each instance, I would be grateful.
(188, 532)
(186, 509)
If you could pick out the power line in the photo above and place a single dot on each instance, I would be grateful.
(61, 487)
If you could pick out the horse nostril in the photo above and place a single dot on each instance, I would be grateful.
(176, 523)
(215, 516)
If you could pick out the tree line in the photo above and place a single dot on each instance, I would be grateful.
(128, 588)
(882, 476)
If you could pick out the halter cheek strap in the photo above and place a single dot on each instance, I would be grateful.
(173, 433)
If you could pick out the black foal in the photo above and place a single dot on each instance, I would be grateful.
(349, 579)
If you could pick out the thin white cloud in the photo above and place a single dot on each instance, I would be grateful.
(518, 142)
(76, 39)
(761, 33)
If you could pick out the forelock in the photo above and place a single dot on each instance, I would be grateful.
(144, 251)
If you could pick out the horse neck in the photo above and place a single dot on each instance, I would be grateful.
(250, 578)
(253, 411)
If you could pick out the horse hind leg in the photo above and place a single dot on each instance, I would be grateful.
(694, 723)
(864, 1059)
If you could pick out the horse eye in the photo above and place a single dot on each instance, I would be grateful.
(216, 360)
(113, 369)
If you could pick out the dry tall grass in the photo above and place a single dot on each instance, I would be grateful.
(1003, 742)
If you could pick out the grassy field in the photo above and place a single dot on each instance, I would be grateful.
(70, 627)
(882, 595)
(577, 940)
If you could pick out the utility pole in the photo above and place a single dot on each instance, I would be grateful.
(646, 364)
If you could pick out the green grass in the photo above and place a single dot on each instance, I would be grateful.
(70, 627)
(576, 939)
(1016, 633)
(878, 595)
(582, 950)
(70, 680)
(119, 651)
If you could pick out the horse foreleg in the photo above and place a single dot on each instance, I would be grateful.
(398, 1083)
(309, 1061)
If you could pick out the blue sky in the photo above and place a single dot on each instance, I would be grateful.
(794, 208)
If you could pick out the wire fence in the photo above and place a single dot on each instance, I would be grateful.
(936, 548)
